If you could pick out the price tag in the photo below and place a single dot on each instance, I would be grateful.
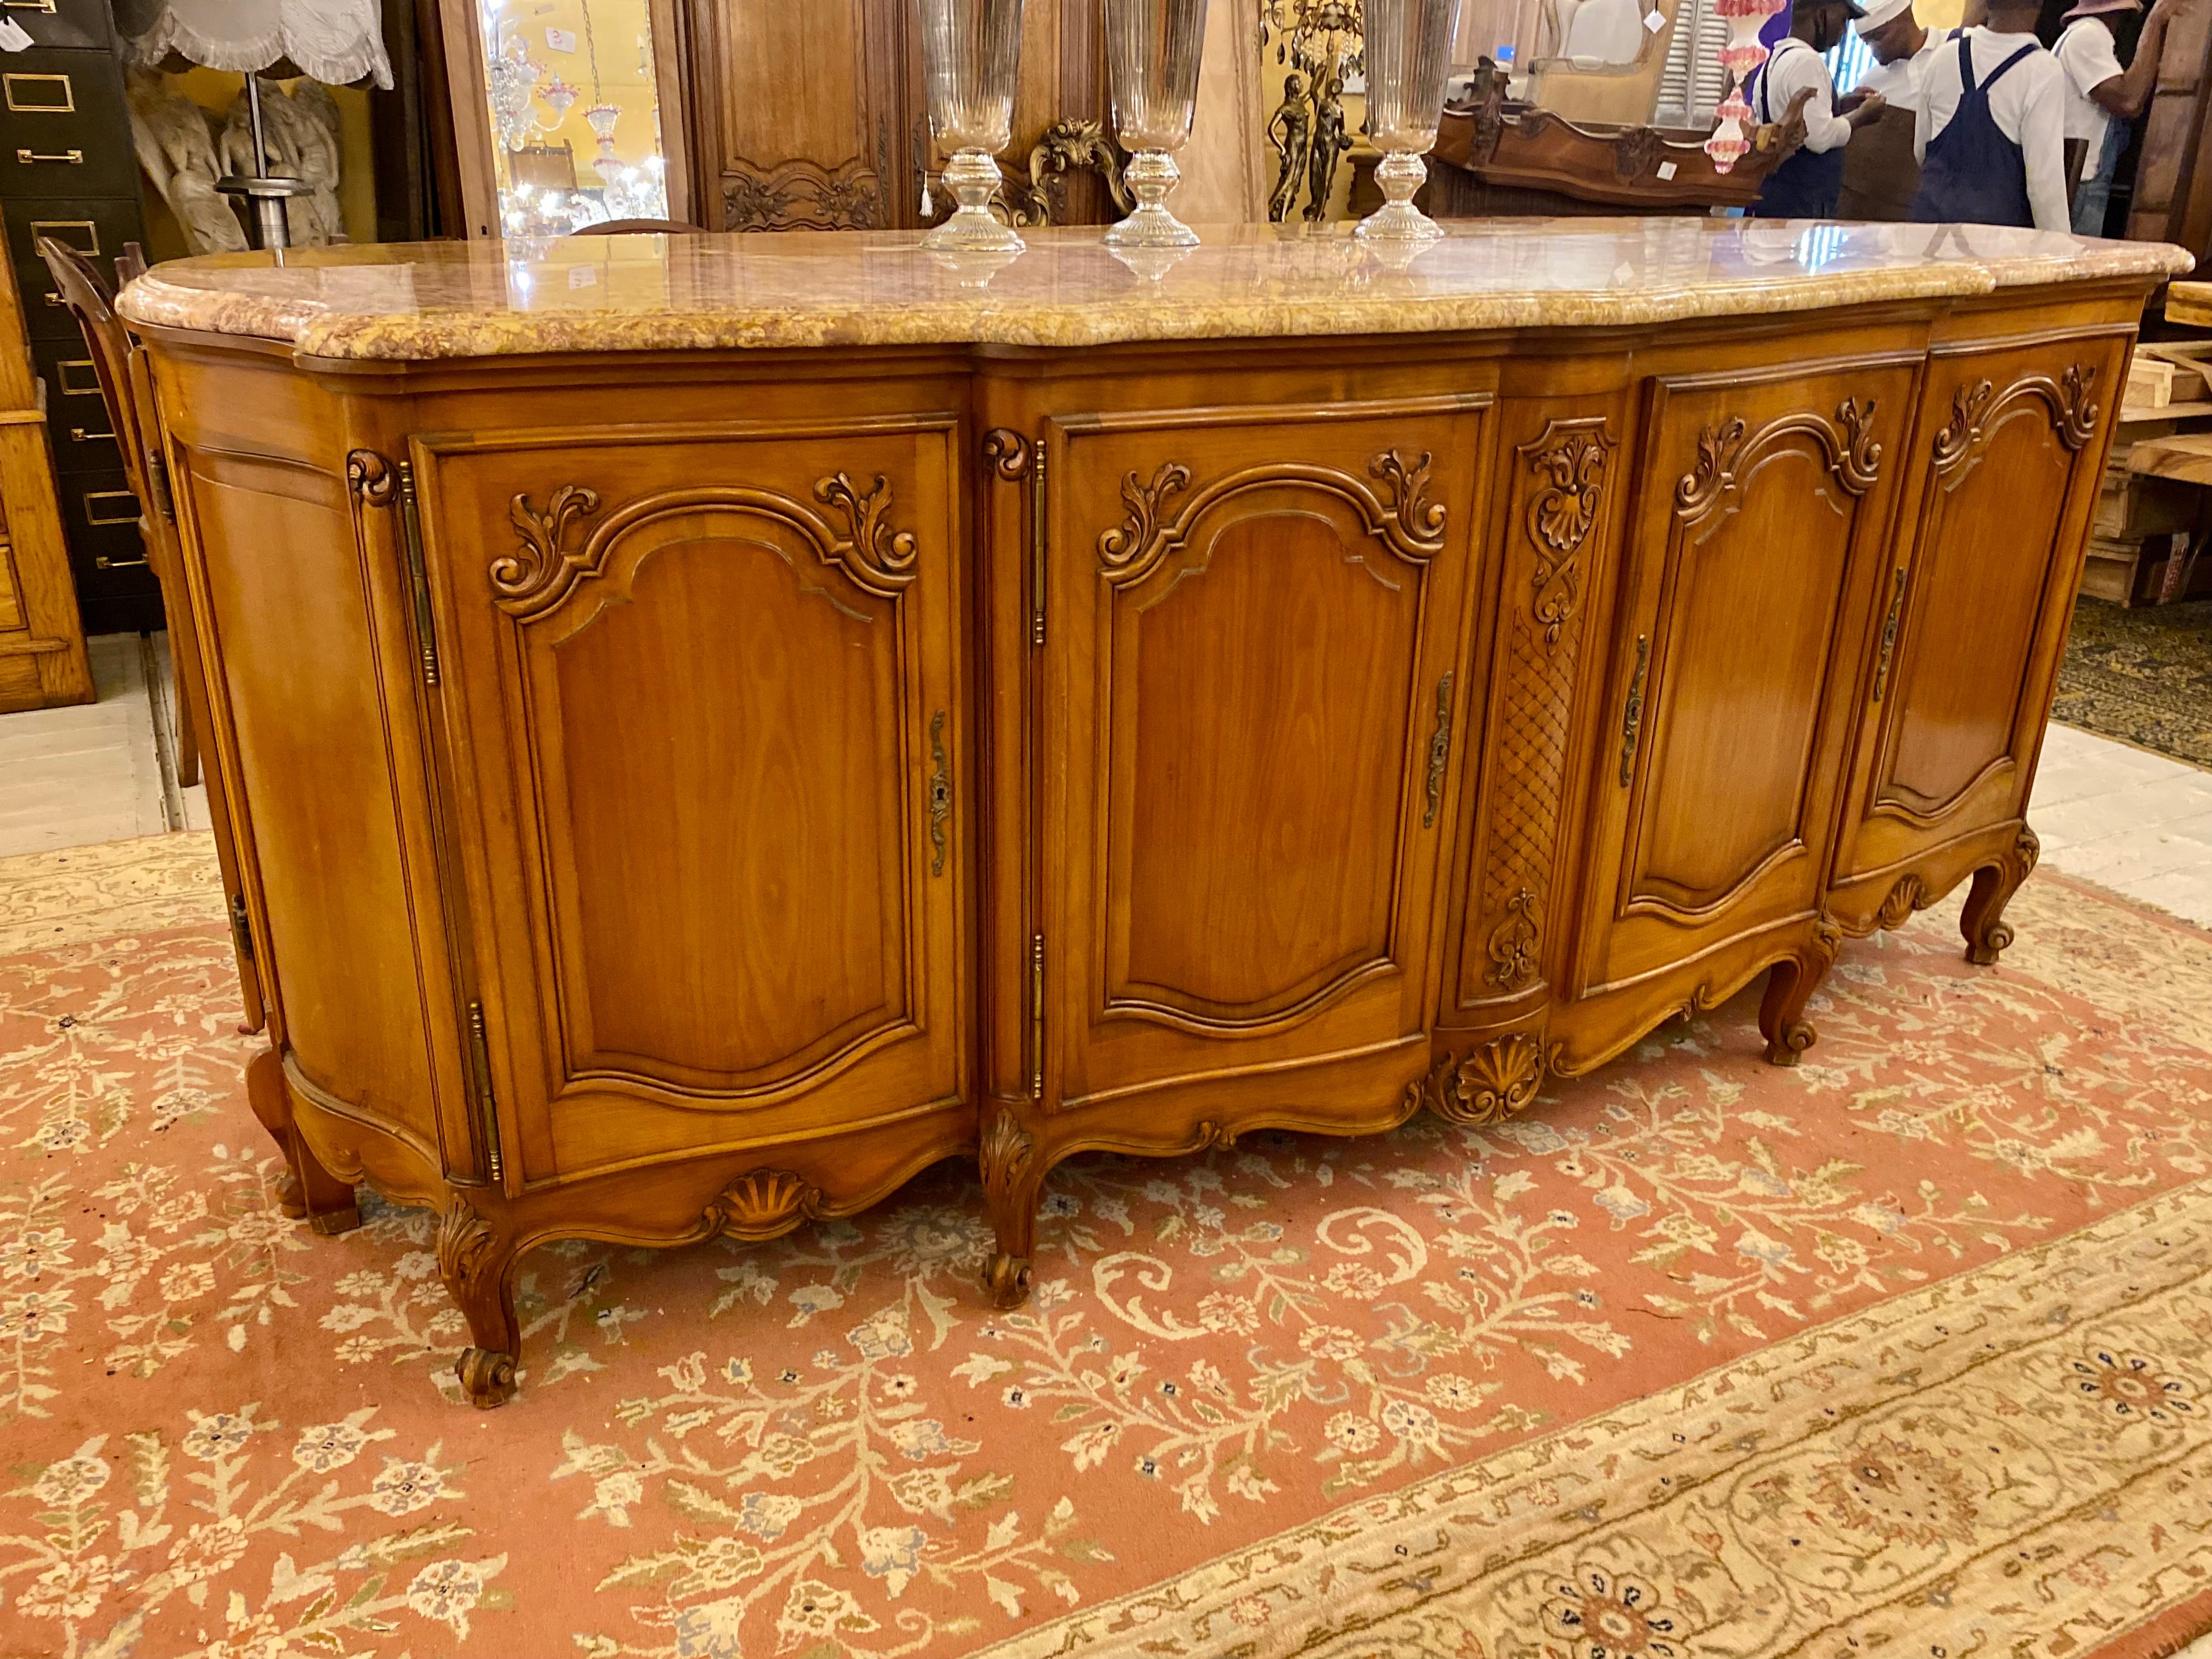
(561, 40)
(583, 276)
(1654, 20)
(1666, 171)
(14, 37)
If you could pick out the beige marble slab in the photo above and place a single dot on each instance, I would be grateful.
(442, 300)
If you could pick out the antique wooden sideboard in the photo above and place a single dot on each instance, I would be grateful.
(714, 725)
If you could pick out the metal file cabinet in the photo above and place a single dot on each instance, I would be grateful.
(68, 170)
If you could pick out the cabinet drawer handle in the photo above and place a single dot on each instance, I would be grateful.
(102, 562)
(1439, 751)
(1889, 636)
(940, 793)
(71, 157)
(78, 435)
(45, 6)
(1631, 717)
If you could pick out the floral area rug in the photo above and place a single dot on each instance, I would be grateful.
(1907, 1350)
(2142, 675)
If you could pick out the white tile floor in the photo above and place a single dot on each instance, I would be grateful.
(70, 777)
(2138, 822)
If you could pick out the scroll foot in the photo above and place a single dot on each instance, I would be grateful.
(308, 1191)
(1007, 1278)
(476, 1258)
(1983, 921)
(1790, 986)
(1012, 1172)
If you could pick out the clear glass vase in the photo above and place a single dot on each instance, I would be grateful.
(1409, 46)
(970, 60)
(1153, 51)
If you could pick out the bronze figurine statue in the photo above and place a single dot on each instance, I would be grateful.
(1330, 142)
(1290, 129)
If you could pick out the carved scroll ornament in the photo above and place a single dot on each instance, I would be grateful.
(1728, 447)
(2073, 410)
(1402, 514)
(548, 560)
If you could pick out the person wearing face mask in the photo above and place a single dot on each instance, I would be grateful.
(1880, 173)
(1991, 130)
(1807, 184)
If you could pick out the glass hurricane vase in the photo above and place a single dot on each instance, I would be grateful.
(1152, 51)
(970, 60)
(1409, 46)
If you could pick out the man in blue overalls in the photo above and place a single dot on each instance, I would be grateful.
(1992, 132)
(1807, 184)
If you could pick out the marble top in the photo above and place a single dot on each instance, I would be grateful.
(478, 299)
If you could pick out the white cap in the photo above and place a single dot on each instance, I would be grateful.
(1878, 12)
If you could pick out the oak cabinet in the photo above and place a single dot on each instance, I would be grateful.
(686, 792)
(1256, 626)
(723, 668)
(2008, 454)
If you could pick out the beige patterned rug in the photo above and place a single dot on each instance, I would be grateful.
(1906, 1353)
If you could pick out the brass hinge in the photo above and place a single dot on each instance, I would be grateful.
(410, 536)
(157, 477)
(1036, 1018)
(241, 929)
(1038, 519)
(480, 1076)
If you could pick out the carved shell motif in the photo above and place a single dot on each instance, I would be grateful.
(1497, 1079)
(763, 1204)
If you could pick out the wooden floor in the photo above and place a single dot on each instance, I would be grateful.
(70, 777)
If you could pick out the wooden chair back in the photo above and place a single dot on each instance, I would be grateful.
(637, 227)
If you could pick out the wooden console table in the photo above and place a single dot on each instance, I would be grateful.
(714, 725)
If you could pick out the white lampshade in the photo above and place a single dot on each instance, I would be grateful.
(338, 42)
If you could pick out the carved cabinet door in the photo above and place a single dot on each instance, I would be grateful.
(1256, 625)
(2009, 456)
(709, 760)
(1762, 510)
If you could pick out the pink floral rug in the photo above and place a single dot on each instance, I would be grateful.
(1908, 1349)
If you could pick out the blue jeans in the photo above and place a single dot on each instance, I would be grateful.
(2095, 193)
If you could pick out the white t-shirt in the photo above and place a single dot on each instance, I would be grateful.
(2086, 51)
(1899, 82)
(2028, 105)
(1794, 67)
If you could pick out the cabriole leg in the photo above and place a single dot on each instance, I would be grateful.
(1012, 1172)
(476, 1258)
(1790, 986)
(1983, 919)
(310, 1191)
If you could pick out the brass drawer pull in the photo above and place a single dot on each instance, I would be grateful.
(940, 793)
(102, 514)
(45, 6)
(1889, 636)
(78, 435)
(28, 93)
(1439, 751)
(1631, 717)
(69, 157)
(103, 562)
